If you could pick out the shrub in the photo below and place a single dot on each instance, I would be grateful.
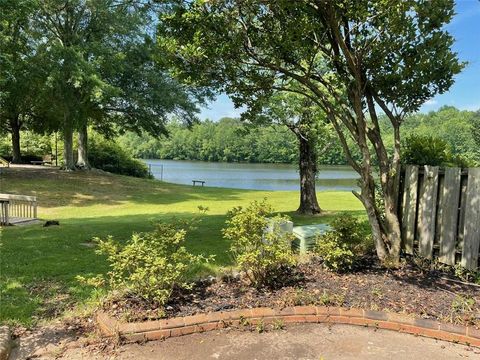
(108, 156)
(150, 264)
(337, 256)
(339, 247)
(5, 146)
(26, 158)
(260, 255)
(429, 150)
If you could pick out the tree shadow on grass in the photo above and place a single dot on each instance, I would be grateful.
(34, 255)
(55, 188)
(324, 218)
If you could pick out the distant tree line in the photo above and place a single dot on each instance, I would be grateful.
(229, 140)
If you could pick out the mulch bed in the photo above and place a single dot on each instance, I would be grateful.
(409, 289)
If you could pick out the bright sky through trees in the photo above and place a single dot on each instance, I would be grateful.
(464, 94)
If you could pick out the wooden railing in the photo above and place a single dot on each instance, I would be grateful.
(19, 207)
(4, 212)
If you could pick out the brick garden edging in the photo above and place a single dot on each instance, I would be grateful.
(5, 342)
(162, 329)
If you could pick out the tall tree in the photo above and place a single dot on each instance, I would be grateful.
(314, 135)
(351, 57)
(98, 60)
(17, 81)
(74, 36)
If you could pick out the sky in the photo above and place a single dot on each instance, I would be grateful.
(464, 94)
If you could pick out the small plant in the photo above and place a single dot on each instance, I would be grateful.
(150, 264)
(463, 304)
(259, 254)
(278, 324)
(466, 275)
(306, 297)
(244, 321)
(326, 299)
(260, 327)
(463, 307)
(377, 292)
(337, 247)
(336, 256)
(298, 297)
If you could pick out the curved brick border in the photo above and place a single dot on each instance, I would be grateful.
(162, 329)
(5, 342)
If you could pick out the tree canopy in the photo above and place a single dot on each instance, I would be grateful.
(352, 58)
(95, 63)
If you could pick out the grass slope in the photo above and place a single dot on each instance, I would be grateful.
(38, 265)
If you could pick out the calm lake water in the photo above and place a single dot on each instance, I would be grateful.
(250, 176)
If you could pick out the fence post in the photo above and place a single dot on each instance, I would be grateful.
(449, 215)
(409, 204)
(471, 232)
(426, 211)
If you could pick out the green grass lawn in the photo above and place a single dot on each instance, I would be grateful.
(38, 265)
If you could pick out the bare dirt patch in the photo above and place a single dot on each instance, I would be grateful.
(54, 298)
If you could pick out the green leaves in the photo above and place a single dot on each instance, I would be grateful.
(259, 254)
(65, 64)
(339, 247)
(150, 264)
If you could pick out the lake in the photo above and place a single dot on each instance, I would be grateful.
(250, 176)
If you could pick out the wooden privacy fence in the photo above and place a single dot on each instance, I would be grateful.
(17, 208)
(440, 214)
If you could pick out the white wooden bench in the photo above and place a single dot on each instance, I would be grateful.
(17, 209)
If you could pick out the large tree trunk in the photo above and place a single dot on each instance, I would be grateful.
(68, 161)
(385, 224)
(15, 128)
(384, 219)
(308, 169)
(82, 161)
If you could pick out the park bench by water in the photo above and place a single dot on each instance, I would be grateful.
(250, 176)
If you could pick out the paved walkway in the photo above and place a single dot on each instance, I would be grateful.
(307, 341)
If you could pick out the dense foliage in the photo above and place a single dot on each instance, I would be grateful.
(227, 140)
(66, 65)
(109, 156)
(150, 264)
(259, 254)
(430, 150)
(352, 58)
(230, 140)
(339, 246)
